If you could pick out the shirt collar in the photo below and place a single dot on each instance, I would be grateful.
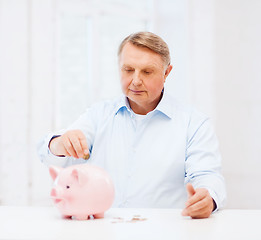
(164, 105)
(122, 103)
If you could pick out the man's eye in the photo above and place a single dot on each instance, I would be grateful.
(147, 72)
(128, 70)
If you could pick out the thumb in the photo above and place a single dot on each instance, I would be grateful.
(190, 189)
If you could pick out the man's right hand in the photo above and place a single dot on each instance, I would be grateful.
(72, 143)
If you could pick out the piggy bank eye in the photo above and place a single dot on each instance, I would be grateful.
(67, 186)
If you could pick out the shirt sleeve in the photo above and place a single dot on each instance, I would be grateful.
(87, 123)
(203, 160)
(46, 155)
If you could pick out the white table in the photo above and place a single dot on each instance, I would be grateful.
(47, 223)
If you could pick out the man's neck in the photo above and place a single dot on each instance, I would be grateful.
(144, 108)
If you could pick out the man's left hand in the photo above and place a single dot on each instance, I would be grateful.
(199, 204)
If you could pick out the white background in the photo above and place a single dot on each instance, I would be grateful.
(59, 57)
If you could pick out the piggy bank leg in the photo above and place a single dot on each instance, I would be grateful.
(67, 216)
(98, 215)
(82, 217)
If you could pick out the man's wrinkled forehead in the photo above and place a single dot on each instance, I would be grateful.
(132, 55)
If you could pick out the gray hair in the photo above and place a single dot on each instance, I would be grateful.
(148, 40)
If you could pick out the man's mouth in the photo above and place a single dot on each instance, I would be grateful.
(136, 91)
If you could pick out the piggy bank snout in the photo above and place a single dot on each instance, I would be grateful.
(53, 193)
(56, 192)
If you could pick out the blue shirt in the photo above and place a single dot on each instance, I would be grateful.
(150, 158)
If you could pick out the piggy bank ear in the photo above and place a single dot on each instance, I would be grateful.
(79, 176)
(54, 171)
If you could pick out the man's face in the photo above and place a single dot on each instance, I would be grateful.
(142, 74)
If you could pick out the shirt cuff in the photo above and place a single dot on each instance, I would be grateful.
(215, 199)
(47, 157)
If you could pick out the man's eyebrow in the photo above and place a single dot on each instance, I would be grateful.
(125, 65)
(144, 67)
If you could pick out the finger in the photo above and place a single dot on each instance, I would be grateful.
(75, 141)
(68, 147)
(202, 210)
(190, 189)
(199, 211)
(204, 213)
(84, 146)
(199, 195)
(198, 206)
(66, 153)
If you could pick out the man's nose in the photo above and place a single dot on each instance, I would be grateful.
(136, 80)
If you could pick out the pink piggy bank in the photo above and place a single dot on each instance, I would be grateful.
(81, 191)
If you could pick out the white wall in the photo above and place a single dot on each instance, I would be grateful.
(215, 48)
(14, 89)
(238, 85)
(171, 23)
(26, 86)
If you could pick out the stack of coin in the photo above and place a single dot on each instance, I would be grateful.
(86, 156)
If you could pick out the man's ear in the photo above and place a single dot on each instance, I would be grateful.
(167, 71)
